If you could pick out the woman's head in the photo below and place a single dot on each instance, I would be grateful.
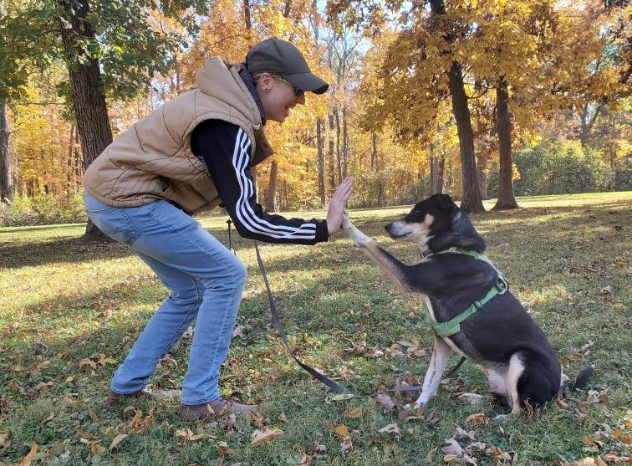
(282, 76)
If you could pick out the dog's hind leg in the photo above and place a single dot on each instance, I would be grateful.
(515, 371)
(439, 359)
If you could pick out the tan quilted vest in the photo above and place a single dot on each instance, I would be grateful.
(153, 159)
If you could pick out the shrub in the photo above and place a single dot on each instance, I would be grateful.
(43, 210)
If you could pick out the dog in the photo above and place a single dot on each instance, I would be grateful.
(496, 333)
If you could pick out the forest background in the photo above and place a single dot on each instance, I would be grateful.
(477, 98)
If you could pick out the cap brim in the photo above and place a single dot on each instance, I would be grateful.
(307, 82)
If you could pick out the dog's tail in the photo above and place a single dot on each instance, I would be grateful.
(579, 382)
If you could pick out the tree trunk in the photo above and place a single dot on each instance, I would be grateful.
(332, 155)
(271, 200)
(321, 161)
(440, 172)
(587, 123)
(433, 161)
(86, 86)
(345, 143)
(471, 201)
(6, 170)
(338, 154)
(373, 151)
(506, 198)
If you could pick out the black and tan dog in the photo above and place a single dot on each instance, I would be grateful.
(472, 311)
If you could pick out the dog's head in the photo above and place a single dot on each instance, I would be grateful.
(435, 224)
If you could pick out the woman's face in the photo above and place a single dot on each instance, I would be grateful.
(278, 97)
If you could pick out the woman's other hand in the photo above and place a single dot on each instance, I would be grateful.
(338, 204)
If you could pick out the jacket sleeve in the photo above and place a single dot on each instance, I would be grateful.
(225, 149)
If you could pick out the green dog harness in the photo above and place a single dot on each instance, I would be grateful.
(453, 326)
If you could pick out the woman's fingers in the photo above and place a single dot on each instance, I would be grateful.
(338, 204)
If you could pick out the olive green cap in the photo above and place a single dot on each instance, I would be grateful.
(278, 57)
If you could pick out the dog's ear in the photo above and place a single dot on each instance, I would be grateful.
(445, 202)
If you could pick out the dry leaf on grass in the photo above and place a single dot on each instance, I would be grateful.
(305, 460)
(28, 458)
(390, 429)
(229, 424)
(341, 431)
(596, 461)
(453, 448)
(265, 435)
(166, 395)
(354, 414)
(463, 434)
(188, 436)
(386, 401)
(346, 447)
(472, 398)
(480, 419)
(117, 440)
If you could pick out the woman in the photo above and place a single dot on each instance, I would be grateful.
(196, 152)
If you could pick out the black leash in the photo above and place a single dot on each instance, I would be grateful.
(313, 372)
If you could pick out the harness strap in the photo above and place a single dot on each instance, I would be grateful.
(453, 326)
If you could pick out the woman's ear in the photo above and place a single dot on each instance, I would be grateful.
(265, 81)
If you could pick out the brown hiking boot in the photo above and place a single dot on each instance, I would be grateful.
(217, 407)
(114, 398)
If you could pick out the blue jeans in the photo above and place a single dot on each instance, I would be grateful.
(205, 279)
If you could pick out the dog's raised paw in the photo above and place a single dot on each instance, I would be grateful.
(346, 222)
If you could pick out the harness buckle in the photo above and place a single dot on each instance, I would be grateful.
(502, 285)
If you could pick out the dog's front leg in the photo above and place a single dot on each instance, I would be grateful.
(439, 359)
(360, 240)
(391, 266)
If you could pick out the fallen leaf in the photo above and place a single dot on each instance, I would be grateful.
(229, 424)
(259, 437)
(584, 462)
(117, 440)
(224, 450)
(385, 400)
(28, 458)
(462, 434)
(390, 429)
(87, 362)
(346, 447)
(354, 414)
(586, 346)
(593, 397)
(193, 438)
(430, 456)
(341, 431)
(479, 418)
(305, 460)
(450, 458)
(342, 397)
(238, 331)
(472, 398)
(453, 448)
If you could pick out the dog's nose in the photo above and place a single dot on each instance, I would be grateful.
(388, 227)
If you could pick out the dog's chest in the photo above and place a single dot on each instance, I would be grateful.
(446, 339)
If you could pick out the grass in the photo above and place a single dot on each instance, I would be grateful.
(69, 312)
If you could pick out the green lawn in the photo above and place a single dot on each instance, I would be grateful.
(69, 311)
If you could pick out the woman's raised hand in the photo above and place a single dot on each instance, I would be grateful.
(338, 204)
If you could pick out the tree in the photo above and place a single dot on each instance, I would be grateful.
(6, 182)
(109, 49)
